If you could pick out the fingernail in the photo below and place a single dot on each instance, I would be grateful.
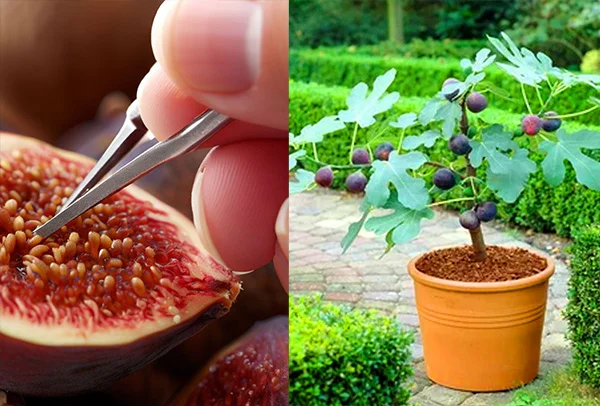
(282, 227)
(211, 46)
(200, 218)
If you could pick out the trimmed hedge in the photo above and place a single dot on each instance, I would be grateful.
(423, 77)
(541, 207)
(583, 309)
(340, 356)
(417, 48)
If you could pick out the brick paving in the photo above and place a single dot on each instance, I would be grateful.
(319, 220)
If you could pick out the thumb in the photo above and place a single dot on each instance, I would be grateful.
(237, 196)
(228, 55)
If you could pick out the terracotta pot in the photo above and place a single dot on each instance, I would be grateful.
(481, 337)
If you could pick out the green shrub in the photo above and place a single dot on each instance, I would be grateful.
(468, 19)
(421, 77)
(340, 356)
(561, 209)
(562, 29)
(591, 62)
(417, 48)
(583, 310)
(326, 22)
(336, 22)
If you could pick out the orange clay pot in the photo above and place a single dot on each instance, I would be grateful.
(481, 337)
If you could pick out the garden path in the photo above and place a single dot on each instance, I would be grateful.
(319, 220)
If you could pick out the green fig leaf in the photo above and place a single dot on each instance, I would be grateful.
(293, 158)
(509, 185)
(403, 223)
(412, 192)
(315, 132)
(568, 147)
(494, 140)
(363, 108)
(303, 180)
(428, 138)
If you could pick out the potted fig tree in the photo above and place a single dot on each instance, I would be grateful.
(481, 308)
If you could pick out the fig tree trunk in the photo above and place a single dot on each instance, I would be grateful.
(476, 234)
(396, 20)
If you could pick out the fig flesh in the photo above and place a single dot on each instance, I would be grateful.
(251, 371)
(110, 292)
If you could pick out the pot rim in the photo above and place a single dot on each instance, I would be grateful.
(477, 287)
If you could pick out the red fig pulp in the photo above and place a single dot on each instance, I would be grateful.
(251, 371)
(108, 293)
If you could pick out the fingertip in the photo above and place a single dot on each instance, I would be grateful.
(209, 46)
(164, 108)
(231, 56)
(161, 31)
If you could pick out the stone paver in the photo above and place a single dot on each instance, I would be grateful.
(318, 222)
(444, 396)
(485, 399)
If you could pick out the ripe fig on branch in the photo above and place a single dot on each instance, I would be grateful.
(459, 144)
(469, 220)
(476, 102)
(360, 156)
(444, 179)
(324, 177)
(452, 95)
(382, 152)
(531, 124)
(486, 211)
(356, 182)
(550, 123)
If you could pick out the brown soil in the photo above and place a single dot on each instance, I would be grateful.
(501, 264)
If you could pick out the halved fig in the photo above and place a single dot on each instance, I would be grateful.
(104, 296)
(254, 370)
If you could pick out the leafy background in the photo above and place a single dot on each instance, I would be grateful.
(564, 29)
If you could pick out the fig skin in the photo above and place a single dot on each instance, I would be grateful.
(450, 81)
(275, 333)
(37, 370)
(531, 124)
(356, 182)
(383, 150)
(324, 177)
(41, 365)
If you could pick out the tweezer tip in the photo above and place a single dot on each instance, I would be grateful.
(40, 231)
(133, 114)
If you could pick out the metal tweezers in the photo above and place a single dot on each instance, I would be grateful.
(89, 193)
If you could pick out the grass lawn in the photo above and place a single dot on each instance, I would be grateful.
(559, 387)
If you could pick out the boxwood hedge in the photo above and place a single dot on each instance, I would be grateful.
(541, 207)
(422, 77)
(583, 309)
(417, 48)
(340, 356)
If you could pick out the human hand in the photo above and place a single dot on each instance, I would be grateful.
(231, 56)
